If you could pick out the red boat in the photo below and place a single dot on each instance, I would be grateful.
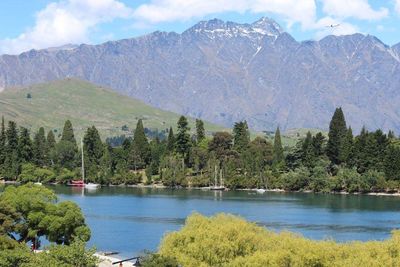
(77, 183)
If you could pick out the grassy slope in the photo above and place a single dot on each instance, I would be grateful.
(84, 104)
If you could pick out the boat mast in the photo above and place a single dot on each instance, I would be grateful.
(83, 163)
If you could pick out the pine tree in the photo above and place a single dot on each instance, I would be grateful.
(278, 149)
(24, 146)
(68, 133)
(40, 149)
(51, 140)
(308, 156)
(241, 136)
(2, 142)
(170, 141)
(140, 151)
(318, 144)
(392, 163)
(200, 132)
(12, 137)
(183, 137)
(337, 131)
(360, 151)
(93, 150)
(346, 152)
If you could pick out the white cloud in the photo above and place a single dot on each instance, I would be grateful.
(397, 6)
(359, 9)
(66, 21)
(294, 11)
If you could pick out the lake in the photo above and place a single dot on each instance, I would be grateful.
(130, 220)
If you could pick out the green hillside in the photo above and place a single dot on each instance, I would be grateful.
(85, 104)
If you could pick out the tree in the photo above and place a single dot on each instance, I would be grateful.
(171, 141)
(12, 137)
(337, 131)
(318, 144)
(200, 132)
(183, 137)
(93, 149)
(241, 136)
(40, 215)
(40, 150)
(278, 149)
(3, 140)
(51, 140)
(221, 144)
(25, 151)
(346, 152)
(68, 133)
(392, 163)
(140, 151)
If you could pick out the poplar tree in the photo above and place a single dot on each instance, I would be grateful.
(337, 131)
(278, 149)
(200, 132)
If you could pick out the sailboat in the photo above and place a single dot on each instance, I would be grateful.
(220, 187)
(81, 183)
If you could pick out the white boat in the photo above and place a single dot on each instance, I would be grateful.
(91, 186)
(38, 183)
(261, 191)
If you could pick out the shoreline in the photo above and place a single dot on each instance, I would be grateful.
(206, 188)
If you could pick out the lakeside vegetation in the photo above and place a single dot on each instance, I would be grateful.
(31, 213)
(226, 240)
(368, 162)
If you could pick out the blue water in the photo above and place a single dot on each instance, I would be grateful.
(131, 220)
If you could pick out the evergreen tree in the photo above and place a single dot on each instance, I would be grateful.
(24, 146)
(308, 156)
(51, 140)
(183, 137)
(360, 150)
(140, 151)
(68, 133)
(93, 150)
(318, 144)
(12, 137)
(171, 141)
(40, 150)
(2, 142)
(346, 152)
(241, 136)
(392, 163)
(337, 131)
(278, 149)
(200, 132)
(66, 152)
(11, 162)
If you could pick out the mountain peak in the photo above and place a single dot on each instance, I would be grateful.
(219, 28)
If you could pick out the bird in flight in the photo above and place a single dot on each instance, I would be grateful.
(333, 26)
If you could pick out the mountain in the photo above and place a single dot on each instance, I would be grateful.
(85, 104)
(225, 71)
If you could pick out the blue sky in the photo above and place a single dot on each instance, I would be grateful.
(48, 23)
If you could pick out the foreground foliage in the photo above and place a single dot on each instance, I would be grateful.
(226, 240)
(29, 213)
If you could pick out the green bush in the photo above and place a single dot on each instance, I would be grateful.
(226, 240)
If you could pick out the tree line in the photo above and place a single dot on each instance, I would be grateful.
(340, 161)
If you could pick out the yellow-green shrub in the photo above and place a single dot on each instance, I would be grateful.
(226, 240)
